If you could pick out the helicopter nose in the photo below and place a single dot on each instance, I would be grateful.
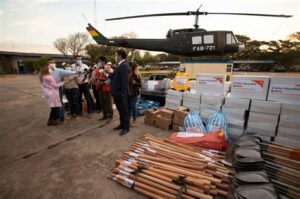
(241, 46)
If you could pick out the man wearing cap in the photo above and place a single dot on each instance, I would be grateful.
(104, 88)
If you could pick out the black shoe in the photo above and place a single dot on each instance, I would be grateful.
(124, 131)
(118, 128)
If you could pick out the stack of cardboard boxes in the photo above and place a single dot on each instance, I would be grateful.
(235, 110)
(165, 119)
(192, 101)
(150, 116)
(263, 118)
(212, 90)
(173, 99)
(179, 115)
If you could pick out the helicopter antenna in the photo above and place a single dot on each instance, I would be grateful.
(197, 17)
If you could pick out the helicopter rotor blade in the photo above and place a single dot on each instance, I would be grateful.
(189, 13)
(248, 14)
(157, 15)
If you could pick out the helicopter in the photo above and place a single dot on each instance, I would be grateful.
(187, 42)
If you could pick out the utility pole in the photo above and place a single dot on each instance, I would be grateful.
(95, 12)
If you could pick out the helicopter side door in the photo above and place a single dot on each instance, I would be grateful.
(204, 43)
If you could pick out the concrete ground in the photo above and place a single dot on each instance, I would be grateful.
(67, 161)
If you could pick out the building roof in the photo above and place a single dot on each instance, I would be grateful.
(24, 54)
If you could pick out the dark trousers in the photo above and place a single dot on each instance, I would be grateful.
(96, 96)
(122, 107)
(73, 99)
(54, 113)
(106, 104)
(61, 109)
(132, 100)
(84, 89)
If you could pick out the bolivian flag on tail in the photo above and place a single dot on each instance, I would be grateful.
(97, 36)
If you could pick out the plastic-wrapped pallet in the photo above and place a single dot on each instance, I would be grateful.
(173, 99)
(191, 101)
(212, 84)
(289, 125)
(235, 111)
(263, 118)
(252, 87)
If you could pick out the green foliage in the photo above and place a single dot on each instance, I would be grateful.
(34, 65)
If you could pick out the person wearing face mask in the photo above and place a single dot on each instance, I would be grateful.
(58, 74)
(72, 93)
(103, 82)
(83, 83)
(119, 90)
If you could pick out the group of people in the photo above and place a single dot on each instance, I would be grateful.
(119, 83)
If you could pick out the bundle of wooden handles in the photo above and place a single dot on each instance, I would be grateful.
(160, 168)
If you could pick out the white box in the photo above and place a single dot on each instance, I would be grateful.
(212, 84)
(188, 103)
(286, 141)
(290, 121)
(239, 103)
(265, 107)
(252, 87)
(233, 112)
(287, 108)
(265, 118)
(191, 96)
(264, 129)
(290, 133)
(192, 85)
(212, 100)
(235, 131)
(176, 95)
(285, 89)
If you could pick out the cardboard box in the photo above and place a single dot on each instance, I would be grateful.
(265, 107)
(191, 104)
(177, 128)
(151, 113)
(172, 104)
(286, 141)
(287, 108)
(227, 86)
(149, 121)
(191, 96)
(212, 84)
(180, 112)
(166, 113)
(239, 103)
(176, 95)
(233, 113)
(285, 89)
(252, 87)
(163, 123)
(212, 100)
(234, 132)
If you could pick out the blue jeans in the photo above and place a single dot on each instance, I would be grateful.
(132, 100)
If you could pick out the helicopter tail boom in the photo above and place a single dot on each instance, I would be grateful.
(97, 36)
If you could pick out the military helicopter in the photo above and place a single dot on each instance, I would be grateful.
(188, 42)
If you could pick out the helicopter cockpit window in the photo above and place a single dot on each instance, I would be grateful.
(208, 39)
(230, 39)
(197, 40)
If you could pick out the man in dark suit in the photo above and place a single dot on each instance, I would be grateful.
(119, 90)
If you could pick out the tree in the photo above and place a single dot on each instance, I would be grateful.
(294, 36)
(61, 45)
(75, 44)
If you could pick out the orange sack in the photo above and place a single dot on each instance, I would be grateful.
(208, 141)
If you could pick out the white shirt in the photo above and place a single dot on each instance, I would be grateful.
(82, 68)
(120, 62)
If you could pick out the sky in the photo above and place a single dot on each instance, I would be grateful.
(33, 25)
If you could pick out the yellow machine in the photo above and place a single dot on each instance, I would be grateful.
(181, 80)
